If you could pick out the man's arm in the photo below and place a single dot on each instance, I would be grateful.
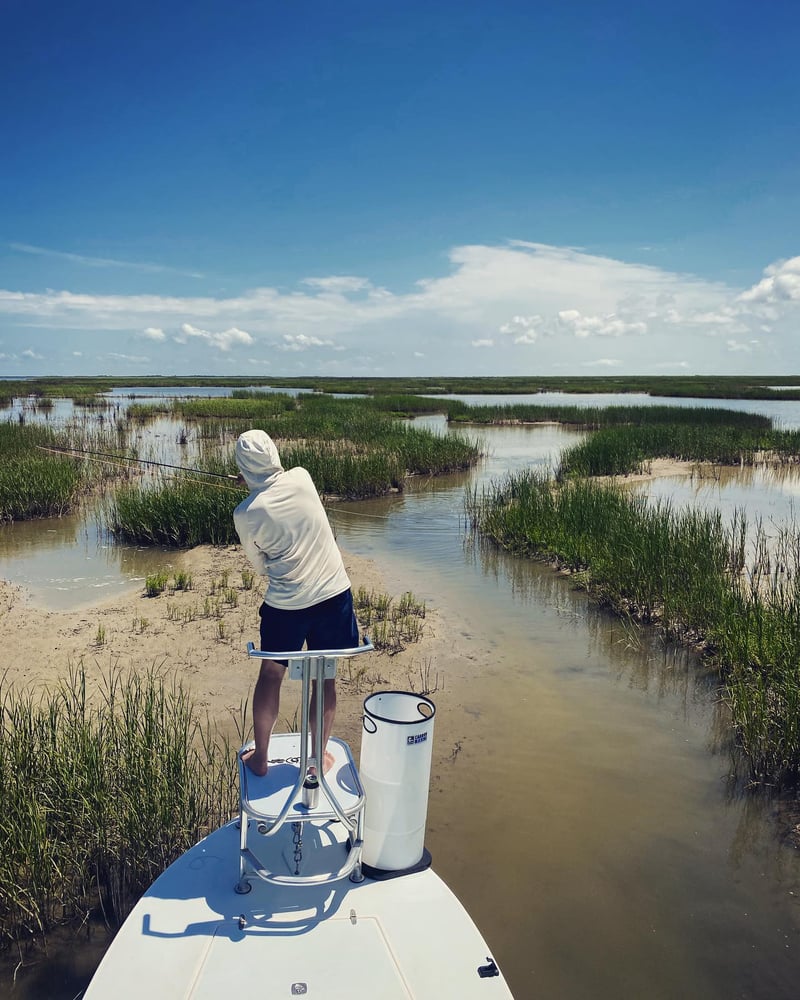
(254, 554)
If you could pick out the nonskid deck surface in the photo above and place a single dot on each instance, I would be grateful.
(193, 936)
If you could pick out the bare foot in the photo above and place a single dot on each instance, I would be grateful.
(327, 763)
(253, 763)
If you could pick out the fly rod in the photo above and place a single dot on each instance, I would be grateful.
(105, 455)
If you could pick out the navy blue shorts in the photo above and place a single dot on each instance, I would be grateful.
(330, 624)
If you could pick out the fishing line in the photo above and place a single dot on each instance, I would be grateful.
(111, 459)
(415, 527)
(105, 455)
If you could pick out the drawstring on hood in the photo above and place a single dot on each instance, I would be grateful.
(257, 458)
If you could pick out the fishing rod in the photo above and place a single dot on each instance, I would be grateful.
(108, 456)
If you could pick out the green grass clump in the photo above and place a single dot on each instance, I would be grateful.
(155, 584)
(100, 796)
(35, 483)
(181, 513)
(391, 624)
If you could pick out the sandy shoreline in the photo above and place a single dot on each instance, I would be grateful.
(203, 637)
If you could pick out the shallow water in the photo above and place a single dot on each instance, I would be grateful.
(66, 562)
(584, 812)
(585, 818)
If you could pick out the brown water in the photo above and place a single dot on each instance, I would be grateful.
(67, 562)
(582, 808)
(588, 819)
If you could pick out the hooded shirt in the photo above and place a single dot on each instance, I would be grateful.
(284, 529)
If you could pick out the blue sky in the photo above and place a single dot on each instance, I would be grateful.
(381, 188)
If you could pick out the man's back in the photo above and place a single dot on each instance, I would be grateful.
(285, 533)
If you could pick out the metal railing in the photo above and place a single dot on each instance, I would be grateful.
(308, 666)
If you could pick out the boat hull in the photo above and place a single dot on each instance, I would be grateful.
(193, 936)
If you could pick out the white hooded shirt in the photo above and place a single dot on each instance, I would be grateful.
(284, 529)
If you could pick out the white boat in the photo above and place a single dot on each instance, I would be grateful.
(284, 902)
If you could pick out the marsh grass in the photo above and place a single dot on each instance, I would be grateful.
(351, 449)
(597, 417)
(686, 572)
(181, 513)
(155, 584)
(101, 794)
(625, 438)
(619, 451)
(391, 624)
(423, 679)
(712, 386)
(35, 483)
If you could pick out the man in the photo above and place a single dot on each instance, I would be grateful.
(285, 534)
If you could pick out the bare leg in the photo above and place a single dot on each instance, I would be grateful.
(328, 713)
(266, 702)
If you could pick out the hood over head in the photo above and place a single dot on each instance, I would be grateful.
(257, 458)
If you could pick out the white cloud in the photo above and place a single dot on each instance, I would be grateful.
(781, 283)
(530, 294)
(300, 342)
(728, 318)
(525, 329)
(32, 355)
(338, 285)
(77, 258)
(223, 341)
(747, 348)
(599, 326)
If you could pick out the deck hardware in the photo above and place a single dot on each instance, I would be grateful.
(487, 971)
(298, 846)
(242, 921)
(353, 917)
(311, 791)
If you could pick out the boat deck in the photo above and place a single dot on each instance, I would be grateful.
(193, 936)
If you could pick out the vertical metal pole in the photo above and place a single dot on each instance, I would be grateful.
(304, 717)
(319, 749)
